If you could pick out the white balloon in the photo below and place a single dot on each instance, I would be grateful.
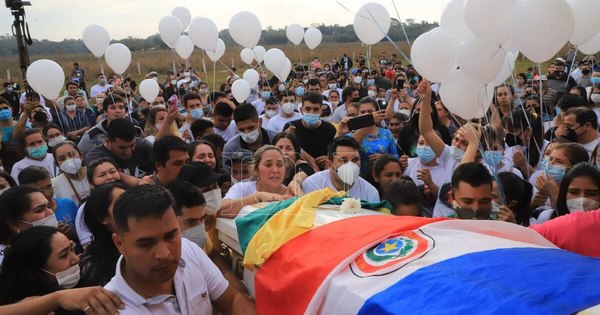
(453, 21)
(489, 19)
(295, 33)
(371, 23)
(247, 55)
(592, 46)
(218, 53)
(479, 59)
(312, 38)
(245, 29)
(259, 53)
(184, 47)
(204, 33)
(149, 90)
(427, 58)
(587, 24)
(274, 60)
(548, 30)
(96, 39)
(461, 95)
(46, 77)
(118, 57)
(285, 71)
(506, 71)
(251, 76)
(240, 90)
(183, 14)
(169, 29)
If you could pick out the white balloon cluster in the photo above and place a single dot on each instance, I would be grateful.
(481, 39)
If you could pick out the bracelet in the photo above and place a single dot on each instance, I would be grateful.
(255, 198)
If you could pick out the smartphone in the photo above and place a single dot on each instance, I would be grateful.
(382, 104)
(400, 84)
(361, 122)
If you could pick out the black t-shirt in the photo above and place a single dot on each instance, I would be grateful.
(139, 165)
(302, 167)
(313, 141)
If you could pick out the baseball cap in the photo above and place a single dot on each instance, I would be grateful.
(182, 81)
(198, 174)
(153, 73)
(241, 155)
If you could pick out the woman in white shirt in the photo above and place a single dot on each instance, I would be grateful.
(269, 171)
(72, 183)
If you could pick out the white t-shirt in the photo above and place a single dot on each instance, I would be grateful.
(278, 122)
(99, 89)
(360, 190)
(228, 133)
(23, 98)
(259, 104)
(47, 163)
(264, 119)
(83, 232)
(339, 113)
(241, 190)
(62, 188)
(590, 146)
(197, 283)
(439, 173)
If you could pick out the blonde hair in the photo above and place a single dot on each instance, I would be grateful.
(150, 128)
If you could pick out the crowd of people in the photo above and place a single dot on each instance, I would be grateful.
(103, 188)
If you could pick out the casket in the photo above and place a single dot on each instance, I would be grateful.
(369, 263)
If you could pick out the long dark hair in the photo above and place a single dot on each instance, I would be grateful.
(580, 170)
(98, 265)
(521, 120)
(22, 275)
(520, 190)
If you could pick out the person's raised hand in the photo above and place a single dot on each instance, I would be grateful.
(404, 162)
(424, 88)
(519, 160)
(378, 116)
(471, 133)
(506, 215)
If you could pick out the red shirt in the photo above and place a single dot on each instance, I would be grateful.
(389, 73)
(577, 232)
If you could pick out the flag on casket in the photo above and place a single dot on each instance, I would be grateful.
(407, 265)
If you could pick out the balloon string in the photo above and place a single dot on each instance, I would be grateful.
(401, 25)
(302, 63)
(214, 76)
(108, 90)
(571, 68)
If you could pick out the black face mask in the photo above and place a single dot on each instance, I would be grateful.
(585, 71)
(558, 73)
(40, 117)
(512, 140)
(571, 135)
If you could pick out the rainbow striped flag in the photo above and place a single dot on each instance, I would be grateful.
(408, 265)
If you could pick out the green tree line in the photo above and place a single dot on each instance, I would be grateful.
(270, 36)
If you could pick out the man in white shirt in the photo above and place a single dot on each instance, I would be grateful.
(37, 154)
(584, 122)
(158, 272)
(101, 87)
(332, 85)
(265, 93)
(349, 94)
(287, 107)
(222, 119)
(343, 172)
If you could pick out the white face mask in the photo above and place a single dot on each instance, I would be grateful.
(69, 278)
(251, 136)
(270, 113)
(213, 200)
(173, 82)
(582, 204)
(71, 108)
(56, 140)
(404, 111)
(203, 91)
(71, 166)
(281, 87)
(332, 86)
(158, 126)
(47, 221)
(348, 173)
(235, 181)
(334, 103)
(357, 80)
(288, 108)
(196, 234)
(595, 98)
(372, 93)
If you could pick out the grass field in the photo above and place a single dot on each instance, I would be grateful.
(161, 61)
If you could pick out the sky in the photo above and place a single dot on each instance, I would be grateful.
(65, 19)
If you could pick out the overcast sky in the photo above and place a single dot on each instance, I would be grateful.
(59, 19)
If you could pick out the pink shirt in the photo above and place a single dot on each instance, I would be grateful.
(577, 232)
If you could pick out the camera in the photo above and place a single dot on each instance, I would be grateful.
(16, 4)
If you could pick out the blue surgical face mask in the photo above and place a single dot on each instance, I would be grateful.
(557, 172)
(38, 152)
(300, 91)
(5, 114)
(596, 80)
(492, 158)
(371, 81)
(266, 94)
(311, 119)
(197, 113)
(425, 154)
(456, 153)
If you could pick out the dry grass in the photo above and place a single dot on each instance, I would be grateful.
(162, 61)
